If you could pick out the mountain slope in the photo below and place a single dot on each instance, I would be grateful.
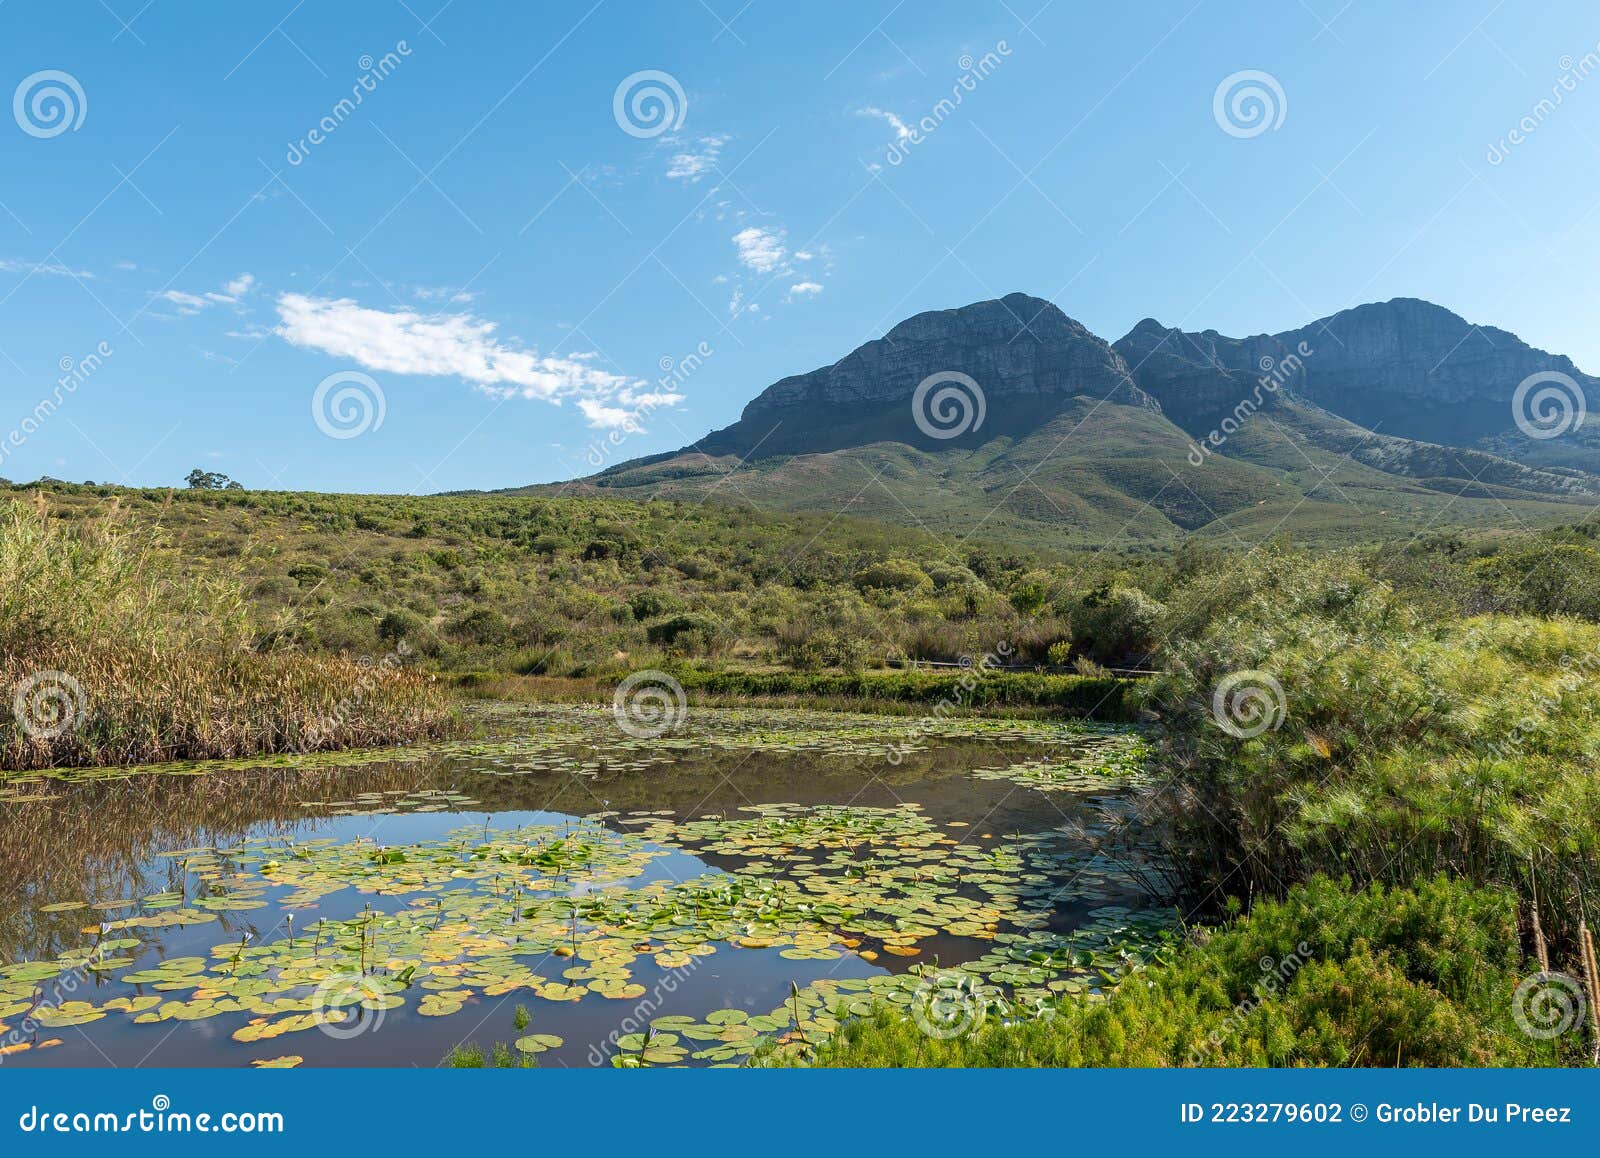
(1008, 420)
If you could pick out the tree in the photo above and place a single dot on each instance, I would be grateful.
(207, 480)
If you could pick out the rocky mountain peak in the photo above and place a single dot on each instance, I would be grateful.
(1015, 346)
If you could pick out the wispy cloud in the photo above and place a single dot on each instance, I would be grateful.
(232, 293)
(697, 159)
(902, 131)
(52, 268)
(804, 289)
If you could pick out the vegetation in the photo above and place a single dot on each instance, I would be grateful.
(586, 587)
(111, 654)
(1326, 977)
(1389, 749)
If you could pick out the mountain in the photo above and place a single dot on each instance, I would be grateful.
(1009, 420)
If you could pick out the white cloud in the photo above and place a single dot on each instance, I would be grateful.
(53, 268)
(803, 289)
(430, 293)
(761, 249)
(902, 131)
(696, 160)
(457, 346)
(188, 304)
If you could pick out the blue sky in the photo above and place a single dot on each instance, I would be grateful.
(488, 245)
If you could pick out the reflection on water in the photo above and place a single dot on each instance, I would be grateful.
(768, 870)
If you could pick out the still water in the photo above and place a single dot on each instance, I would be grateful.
(583, 896)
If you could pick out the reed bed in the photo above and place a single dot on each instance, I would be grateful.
(111, 653)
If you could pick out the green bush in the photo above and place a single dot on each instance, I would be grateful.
(1326, 977)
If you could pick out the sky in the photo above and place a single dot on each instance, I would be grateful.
(408, 246)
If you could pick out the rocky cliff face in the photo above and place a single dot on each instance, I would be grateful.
(1199, 379)
(1017, 346)
(1412, 368)
(1405, 368)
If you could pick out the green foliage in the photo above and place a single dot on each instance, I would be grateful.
(891, 575)
(205, 480)
(1101, 699)
(1119, 626)
(1407, 744)
(128, 659)
(1326, 977)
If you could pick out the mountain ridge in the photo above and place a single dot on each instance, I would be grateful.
(1010, 413)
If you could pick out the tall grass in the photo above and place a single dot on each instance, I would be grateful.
(112, 654)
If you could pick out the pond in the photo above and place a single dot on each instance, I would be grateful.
(582, 895)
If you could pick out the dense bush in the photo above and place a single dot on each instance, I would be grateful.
(1326, 977)
(1102, 699)
(1399, 745)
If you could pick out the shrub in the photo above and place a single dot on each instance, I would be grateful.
(891, 575)
(1329, 976)
(1119, 626)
